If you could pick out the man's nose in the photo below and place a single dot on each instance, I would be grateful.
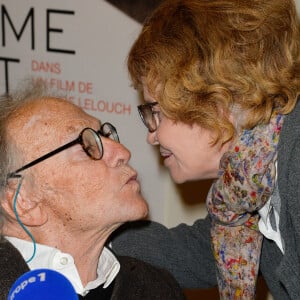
(115, 153)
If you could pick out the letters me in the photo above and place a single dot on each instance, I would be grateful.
(7, 26)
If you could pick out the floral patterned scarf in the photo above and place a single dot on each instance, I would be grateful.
(246, 181)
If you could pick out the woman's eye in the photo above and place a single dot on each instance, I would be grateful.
(157, 114)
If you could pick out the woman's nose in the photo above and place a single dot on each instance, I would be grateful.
(152, 138)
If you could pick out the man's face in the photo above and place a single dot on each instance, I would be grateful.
(77, 192)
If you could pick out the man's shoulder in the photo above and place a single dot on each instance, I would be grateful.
(139, 268)
(12, 266)
(152, 282)
(11, 258)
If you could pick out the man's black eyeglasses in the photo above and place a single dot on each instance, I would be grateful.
(90, 141)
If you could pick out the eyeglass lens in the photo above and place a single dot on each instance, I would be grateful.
(149, 117)
(109, 131)
(91, 142)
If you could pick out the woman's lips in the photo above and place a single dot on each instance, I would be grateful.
(165, 154)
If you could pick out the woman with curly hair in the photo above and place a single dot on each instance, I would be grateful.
(221, 81)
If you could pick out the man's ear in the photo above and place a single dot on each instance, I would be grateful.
(29, 211)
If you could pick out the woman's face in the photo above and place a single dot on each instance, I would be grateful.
(186, 149)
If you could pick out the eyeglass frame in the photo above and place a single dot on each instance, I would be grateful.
(141, 109)
(78, 140)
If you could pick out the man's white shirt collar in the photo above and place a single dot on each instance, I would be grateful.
(52, 258)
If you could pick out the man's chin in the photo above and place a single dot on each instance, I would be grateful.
(142, 212)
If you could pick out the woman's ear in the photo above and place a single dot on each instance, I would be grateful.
(29, 211)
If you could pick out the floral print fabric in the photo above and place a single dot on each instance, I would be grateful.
(246, 181)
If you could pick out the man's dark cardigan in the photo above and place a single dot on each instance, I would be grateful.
(136, 280)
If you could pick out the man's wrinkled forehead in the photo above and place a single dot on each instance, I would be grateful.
(32, 121)
(31, 117)
(54, 119)
(52, 112)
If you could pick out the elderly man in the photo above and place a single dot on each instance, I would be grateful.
(66, 185)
